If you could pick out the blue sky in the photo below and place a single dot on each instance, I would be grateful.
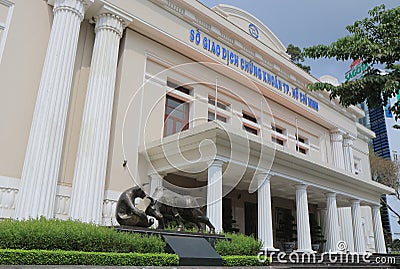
(309, 22)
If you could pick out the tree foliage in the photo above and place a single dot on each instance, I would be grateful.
(296, 57)
(386, 172)
(376, 41)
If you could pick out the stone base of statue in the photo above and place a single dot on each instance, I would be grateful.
(193, 249)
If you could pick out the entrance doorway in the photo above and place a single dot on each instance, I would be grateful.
(251, 219)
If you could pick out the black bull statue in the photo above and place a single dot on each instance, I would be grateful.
(166, 207)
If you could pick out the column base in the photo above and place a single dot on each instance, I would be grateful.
(270, 249)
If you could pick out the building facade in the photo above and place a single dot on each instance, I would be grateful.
(102, 95)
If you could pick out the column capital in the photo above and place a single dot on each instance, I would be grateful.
(156, 174)
(216, 163)
(76, 6)
(348, 140)
(109, 21)
(355, 201)
(112, 11)
(349, 136)
(337, 135)
(262, 175)
(331, 194)
(301, 186)
(375, 207)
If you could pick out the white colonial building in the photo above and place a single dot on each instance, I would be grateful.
(99, 95)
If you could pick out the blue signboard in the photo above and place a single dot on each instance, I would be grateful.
(248, 66)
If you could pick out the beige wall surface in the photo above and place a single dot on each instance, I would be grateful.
(20, 72)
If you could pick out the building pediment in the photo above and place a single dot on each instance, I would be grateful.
(251, 25)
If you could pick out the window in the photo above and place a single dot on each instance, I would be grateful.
(176, 86)
(220, 104)
(250, 123)
(395, 156)
(302, 145)
(211, 117)
(277, 129)
(249, 117)
(223, 109)
(278, 141)
(278, 135)
(6, 9)
(176, 116)
(357, 166)
(250, 129)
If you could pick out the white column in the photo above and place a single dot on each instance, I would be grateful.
(345, 221)
(331, 223)
(303, 222)
(359, 242)
(156, 180)
(348, 153)
(91, 161)
(265, 233)
(380, 246)
(337, 148)
(39, 178)
(214, 195)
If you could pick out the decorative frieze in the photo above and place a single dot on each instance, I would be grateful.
(227, 38)
(108, 214)
(62, 206)
(173, 6)
(7, 201)
(202, 23)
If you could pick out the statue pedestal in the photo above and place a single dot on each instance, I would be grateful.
(192, 248)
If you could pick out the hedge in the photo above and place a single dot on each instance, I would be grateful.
(73, 236)
(243, 261)
(62, 257)
(240, 245)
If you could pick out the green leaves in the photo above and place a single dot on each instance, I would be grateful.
(296, 57)
(239, 245)
(376, 41)
(71, 235)
(62, 257)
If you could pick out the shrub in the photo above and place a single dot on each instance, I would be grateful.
(72, 235)
(62, 257)
(395, 245)
(243, 261)
(240, 245)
